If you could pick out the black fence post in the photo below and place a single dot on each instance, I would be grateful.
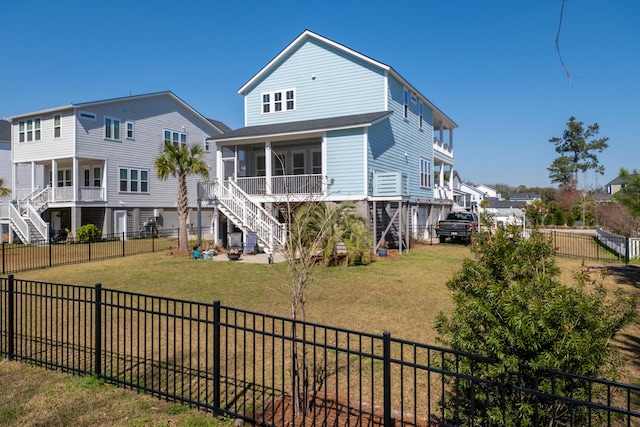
(216, 357)
(11, 319)
(153, 241)
(97, 310)
(89, 248)
(627, 256)
(123, 234)
(50, 254)
(386, 340)
(4, 271)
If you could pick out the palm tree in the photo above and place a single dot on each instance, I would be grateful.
(4, 191)
(180, 161)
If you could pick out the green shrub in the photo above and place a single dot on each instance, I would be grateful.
(88, 233)
(510, 306)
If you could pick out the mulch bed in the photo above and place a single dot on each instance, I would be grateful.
(334, 412)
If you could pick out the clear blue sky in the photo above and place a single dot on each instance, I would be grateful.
(489, 65)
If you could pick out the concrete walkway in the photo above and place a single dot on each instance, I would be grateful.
(254, 259)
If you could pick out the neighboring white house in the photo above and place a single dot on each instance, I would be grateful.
(325, 121)
(98, 168)
(488, 191)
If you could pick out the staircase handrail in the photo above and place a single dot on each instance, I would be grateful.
(37, 221)
(19, 224)
(253, 216)
(42, 198)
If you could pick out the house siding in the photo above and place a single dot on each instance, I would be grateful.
(151, 116)
(47, 147)
(398, 144)
(328, 83)
(345, 165)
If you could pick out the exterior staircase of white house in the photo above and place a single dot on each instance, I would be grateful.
(24, 216)
(248, 215)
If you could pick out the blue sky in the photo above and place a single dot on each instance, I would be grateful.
(489, 65)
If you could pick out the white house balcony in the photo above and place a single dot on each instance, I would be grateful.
(442, 148)
(282, 184)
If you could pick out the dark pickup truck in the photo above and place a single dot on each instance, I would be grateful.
(457, 226)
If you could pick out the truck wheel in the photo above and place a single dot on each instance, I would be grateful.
(442, 239)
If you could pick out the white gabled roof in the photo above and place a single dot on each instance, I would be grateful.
(307, 34)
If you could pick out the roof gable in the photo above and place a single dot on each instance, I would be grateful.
(219, 126)
(388, 70)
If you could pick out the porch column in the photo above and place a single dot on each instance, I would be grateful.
(76, 220)
(441, 175)
(54, 179)
(76, 179)
(219, 168)
(14, 182)
(451, 178)
(33, 175)
(268, 165)
(441, 133)
(451, 141)
(216, 224)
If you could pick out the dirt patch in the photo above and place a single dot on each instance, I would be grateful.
(334, 412)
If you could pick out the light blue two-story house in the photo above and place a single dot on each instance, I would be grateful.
(325, 122)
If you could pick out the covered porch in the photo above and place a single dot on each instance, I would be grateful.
(62, 181)
(274, 169)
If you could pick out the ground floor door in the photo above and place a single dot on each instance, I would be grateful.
(120, 223)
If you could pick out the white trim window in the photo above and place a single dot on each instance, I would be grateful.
(405, 109)
(88, 181)
(56, 126)
(425, 173)
(278, 101)
(207, 145)
(133, 180)
(175, 138)
(130, 127)
(420, 115)
(29, 130)
(111, 128)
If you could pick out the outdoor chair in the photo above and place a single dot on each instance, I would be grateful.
(234, 247)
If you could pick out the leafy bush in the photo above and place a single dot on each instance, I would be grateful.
(87, 233)
(509, 306)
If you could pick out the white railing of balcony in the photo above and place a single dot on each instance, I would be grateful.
(23, 194)
(297, 184)
(63, 194)
(253, 184)
(91, 194)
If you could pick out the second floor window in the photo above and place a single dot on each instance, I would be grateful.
(405, 98)
(130, 130)
(420, 115)
(175, 138)
(56, 126)
(111, 128)
(425, 173)
(278, 100)
(29, 130)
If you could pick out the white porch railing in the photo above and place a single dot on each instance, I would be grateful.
(63, 194)
(91, 194)
(282, 184)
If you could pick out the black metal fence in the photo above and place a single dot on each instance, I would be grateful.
(260, 367)
(50, 253)
(612, 248)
